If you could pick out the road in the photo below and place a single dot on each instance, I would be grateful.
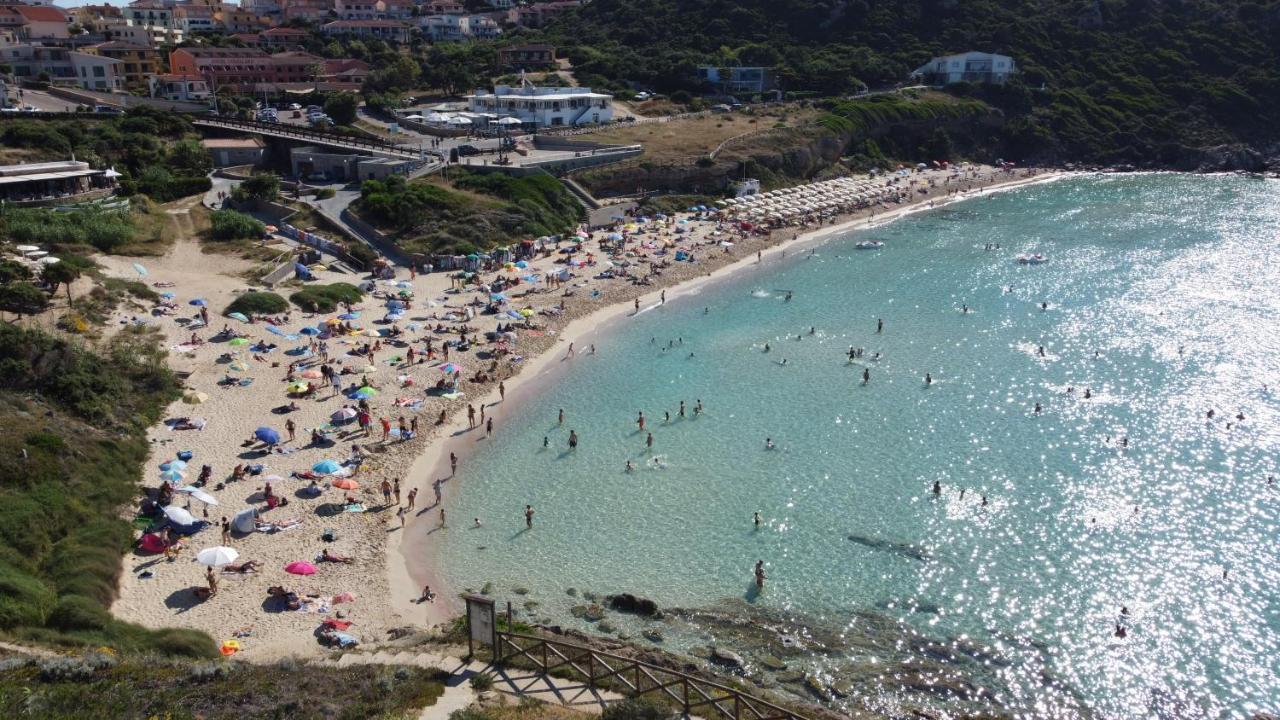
(41, 100)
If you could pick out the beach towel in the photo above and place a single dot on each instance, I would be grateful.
(336, 624)
(345, 597)
(354, 508)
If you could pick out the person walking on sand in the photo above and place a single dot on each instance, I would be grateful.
(528, 517)
(471, 416)
(400, 514)
(395, 489)
(226, 531)
(290, 428)
(442, 516)
(488, 428)
(664, 297)
(637, 304)
(453, 464)
(502, 392)
(413, 498)
(386, 428)
(436, 487)
(386, 493)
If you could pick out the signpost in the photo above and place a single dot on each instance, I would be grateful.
(482, 623)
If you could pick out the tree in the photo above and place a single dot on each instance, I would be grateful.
(262, 186)
(342, 107)
(190, 157)
(59, 274)
(22, 299)
(12, 270)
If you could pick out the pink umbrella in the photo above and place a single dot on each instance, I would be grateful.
(299, 567)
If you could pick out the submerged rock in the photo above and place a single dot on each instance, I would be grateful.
(590, 613)
(790, 676)
(487, 589)
(520, 590)
(653, 635)
(571, 592)
(726, 657)
(772, 663)
(628, 603)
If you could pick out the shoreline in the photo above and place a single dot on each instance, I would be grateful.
(407, 573)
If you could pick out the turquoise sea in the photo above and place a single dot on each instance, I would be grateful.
(1163, 296)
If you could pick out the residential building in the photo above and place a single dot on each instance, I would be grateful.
(389, 30)
(139, 62)
(973, 67)
(89, 16)
(296, 67)
(738, 80)
(345, 70)
(41, 22)
(502, 4)
(443, 7)
(260, 7)
(179, 88)
(240, 21)
(309, 10)
(195, 18)
(527, 57)
(282, 38)
(357, 9)
(246, 67)
(94, 72)
(11, 24)
(458, 28)
(230, 152)
(539, 14)
(65, 179)
(149, 14)
(396, 9)
(544, 106)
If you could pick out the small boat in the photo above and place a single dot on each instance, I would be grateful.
(1031, 259)
(869, 245)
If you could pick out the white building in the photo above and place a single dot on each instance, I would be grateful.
(544, 106)
(974, 67)
(458, 28)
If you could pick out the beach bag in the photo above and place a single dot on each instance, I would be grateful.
(329, 535)
(184, 455)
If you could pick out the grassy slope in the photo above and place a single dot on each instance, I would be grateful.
(73, 424)
(150, 688)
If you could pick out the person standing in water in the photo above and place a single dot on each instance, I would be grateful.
(759, 573)
(928, 379)
(866, 375)
(640, 421)
(937, 488)
(756, 518)
(573, 440)
(879, 325)
(648, 441)
(681, 408)
(528, 517)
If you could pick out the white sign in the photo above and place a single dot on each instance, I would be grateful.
(480, 619)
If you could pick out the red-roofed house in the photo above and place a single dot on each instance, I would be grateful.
(41, 22)
(282, 37)
(390, 30)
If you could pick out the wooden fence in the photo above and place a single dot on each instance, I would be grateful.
(694, 695)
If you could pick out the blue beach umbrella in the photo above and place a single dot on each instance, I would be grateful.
(199, 301)
(310, 330)
(167, 295)
(392, 317)
(497, 297)
(326, 467)
(172, 475)
(238, 316)
(140, 270)
(349, 316)
(522, 264)
(172, 465)
(267, 435)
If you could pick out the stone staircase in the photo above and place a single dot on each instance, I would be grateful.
(458, 693)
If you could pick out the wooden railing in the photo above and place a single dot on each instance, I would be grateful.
(628, 676)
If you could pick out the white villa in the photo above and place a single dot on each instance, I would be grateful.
(544, 106)
(974, 67)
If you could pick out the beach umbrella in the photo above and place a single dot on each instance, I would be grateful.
(238, 316)
(167, 295)
(200, 495)
(298, 567)
(373, 332)
(195, 398)
(522, 264)
(24, 249)
(365, 393)
(310, 330)
(497, 297)
(178, 516)
(238, 341)
(238, 366)
(312, 374)
(172, 464)
(217, 556)
(343, 415)
(326, 467)
(140, 270)
(267, 435)
(450, 368)
(392, 317)
(346, 484)
(198, 301)
(299, 387)
(527, 312)
(172, 475)
(349, 316)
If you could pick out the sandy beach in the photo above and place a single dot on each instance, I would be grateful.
(389, 564)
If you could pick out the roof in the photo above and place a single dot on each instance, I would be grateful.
(178, 77)
(117, 45)
(365, 23)
(278, 31)
(213, 52)
(245, 143)
(297, 55)
(42, 167)
(40, 13)
(36, 177)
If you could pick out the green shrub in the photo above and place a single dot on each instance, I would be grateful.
(326, 298)
(257, 303)
(76, 612)
(261, 186)
(234, 225)
(481, 682)
(105, 230)
(636, 709)
(325, 193)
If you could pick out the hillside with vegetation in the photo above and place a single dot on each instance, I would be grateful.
(157, 153)
(73, 434)
(1101, 80)
(470, 212)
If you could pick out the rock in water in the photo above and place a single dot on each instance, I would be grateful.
(772, 663)
(653, 635)
(628, 603)
(726, 657)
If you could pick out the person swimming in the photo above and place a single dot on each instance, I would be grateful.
(768, 443)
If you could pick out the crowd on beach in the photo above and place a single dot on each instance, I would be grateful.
(304, 426)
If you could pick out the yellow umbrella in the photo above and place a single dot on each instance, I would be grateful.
(527, 312)
(372, 332)
(298, 387)
(194, 398)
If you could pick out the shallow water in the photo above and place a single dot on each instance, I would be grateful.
(1164, 296)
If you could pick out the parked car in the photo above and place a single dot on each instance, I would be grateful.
(110, 109)
(468, 150)
(295, 106)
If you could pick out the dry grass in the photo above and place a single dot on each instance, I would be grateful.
(691, 138)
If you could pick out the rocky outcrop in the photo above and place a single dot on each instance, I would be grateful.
(628, 603)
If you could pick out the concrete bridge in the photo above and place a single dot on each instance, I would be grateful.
(369, 146)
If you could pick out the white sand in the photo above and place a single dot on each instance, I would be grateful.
(390, 565)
